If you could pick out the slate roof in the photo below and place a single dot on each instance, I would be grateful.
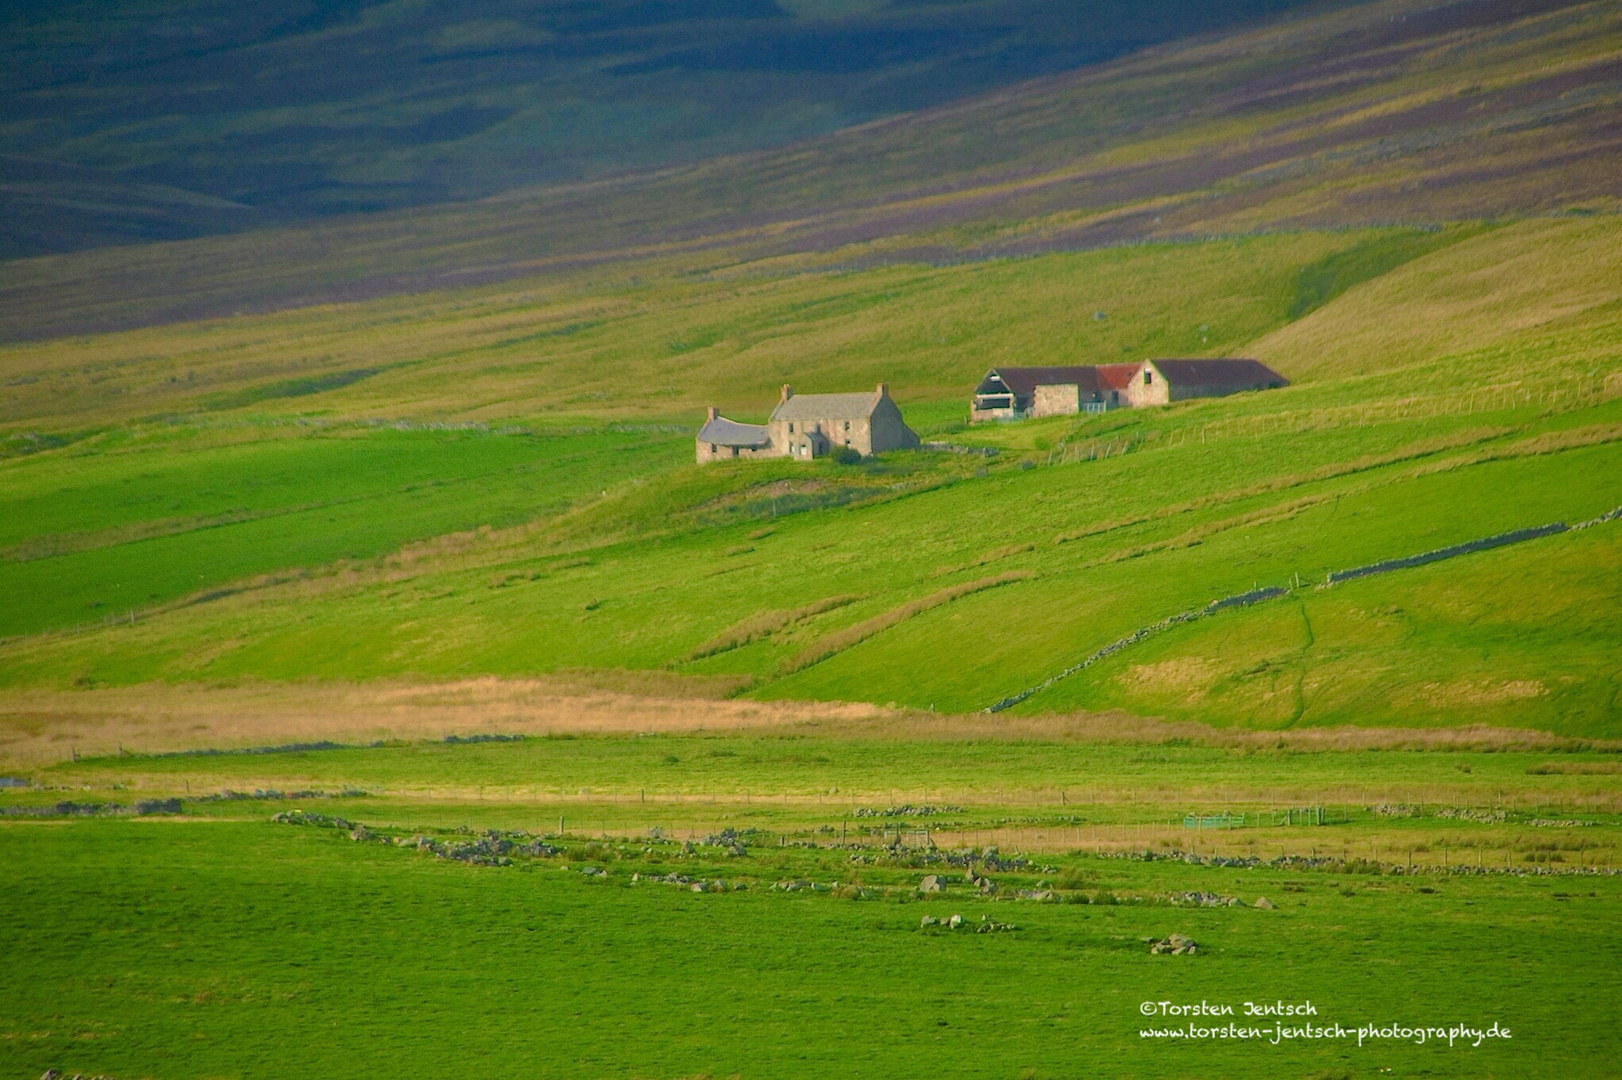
(1023, 381)
(724, 432)
(826, 407)
(1237, 374)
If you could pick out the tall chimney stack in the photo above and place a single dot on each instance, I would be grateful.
(884, 389)
(788, 392)
(711, 413)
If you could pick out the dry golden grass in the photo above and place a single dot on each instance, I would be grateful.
(1513, 280)
(41, 726)
(1118, 727)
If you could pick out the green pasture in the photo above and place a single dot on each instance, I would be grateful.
(243, 948)
(839, 769)
(132, 521)
(216, 942)
(1507, 807)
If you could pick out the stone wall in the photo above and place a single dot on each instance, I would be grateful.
(889, 431)
(1148, 387)
(708, 452)
(1057, 399)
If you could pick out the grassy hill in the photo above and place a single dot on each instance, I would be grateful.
(1404, 111)
(503, 487)
(149, 119)
(380, 678)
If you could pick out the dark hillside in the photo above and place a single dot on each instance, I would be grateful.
(316, 107)
(1411, 111)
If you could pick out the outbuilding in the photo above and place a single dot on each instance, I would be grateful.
(1016, 393)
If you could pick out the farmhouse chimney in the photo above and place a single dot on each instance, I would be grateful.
(711, 413)
(788, 392)
(884, 389)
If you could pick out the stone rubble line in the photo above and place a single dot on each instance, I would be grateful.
(1255, 596)
(492, 848)
(1357, 866)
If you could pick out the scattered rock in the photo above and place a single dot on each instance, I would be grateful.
(934, 883)
(954, 922)
(927, 920)
(907, 810)
(1264, 903)
(1175, 945)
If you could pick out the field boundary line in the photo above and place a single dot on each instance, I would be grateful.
(840, 640)
(1256, 596)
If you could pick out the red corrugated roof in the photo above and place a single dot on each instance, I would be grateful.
(1116, 376)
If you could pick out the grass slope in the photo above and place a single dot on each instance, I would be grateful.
(1367, 114)
(319, 107)
(627, 557)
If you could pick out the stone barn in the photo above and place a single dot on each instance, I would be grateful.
(1158, 382)
(807, 426)
(1016, 393)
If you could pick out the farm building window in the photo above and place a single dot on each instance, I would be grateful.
(791, 429)
(1148, 377)
(847, 425)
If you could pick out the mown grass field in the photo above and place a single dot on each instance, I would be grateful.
(219, 943)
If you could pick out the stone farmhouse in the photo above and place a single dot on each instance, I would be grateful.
(807, 426)
(1016, 393)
